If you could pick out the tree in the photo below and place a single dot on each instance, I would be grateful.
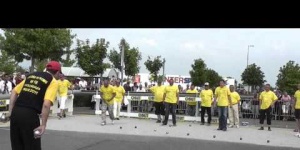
(68, 62)
(115, 58)
(288, 77)
(36, 44)
(197, 73)
(253, 76)
(20, 69)
(212, 77)
(90, 58)
(154, 66)
(132, 57)
(7, 63)
(40, 65)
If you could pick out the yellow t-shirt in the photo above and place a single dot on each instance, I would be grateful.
(107, 93)
(297, 97)
(51, 91)
(63, 87)
(192, 91)
(222, 95)
(206, 97)
(158, 92)
(235, 97)
(120, 91)
(266, 99)
(171, 92)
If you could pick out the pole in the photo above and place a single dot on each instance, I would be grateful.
(248, 56)
(164, 61)
(122, 61)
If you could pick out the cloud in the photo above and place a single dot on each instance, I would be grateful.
(144, 42)
(192, 46)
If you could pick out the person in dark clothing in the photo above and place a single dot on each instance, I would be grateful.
(32, 97)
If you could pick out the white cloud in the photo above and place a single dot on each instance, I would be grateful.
(192, 46)
(144, 42)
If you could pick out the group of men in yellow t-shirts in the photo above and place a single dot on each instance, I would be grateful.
(112, 96)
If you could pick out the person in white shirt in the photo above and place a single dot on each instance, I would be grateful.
(141, 89)
(82, 84)
(5, 85)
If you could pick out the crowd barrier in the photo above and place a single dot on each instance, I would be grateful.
(4, 104)
(140, 105)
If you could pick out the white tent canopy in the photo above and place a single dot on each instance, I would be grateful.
(78, 72)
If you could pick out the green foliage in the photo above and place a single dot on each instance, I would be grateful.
(288, 77)
(154, 66)
(201, 74)
(40, 65)
(212, 77)
(253, 76)
(197, 73)
(132, 57)
(7, 63)
(36, 44)
(68, 62)
(20, 69)
(90, 58)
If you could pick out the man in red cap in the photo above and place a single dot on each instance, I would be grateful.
(33, 96)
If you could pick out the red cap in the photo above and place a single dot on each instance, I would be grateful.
(54, 65)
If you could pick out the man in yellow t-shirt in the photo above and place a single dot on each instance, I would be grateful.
(192, 104)
(297, 109)
(233, 112)
(206, 96)
(119, 99)
(63, 86)
(222, 94)
(171, 98)
(107, 93)
(267, 99)
(158, 92)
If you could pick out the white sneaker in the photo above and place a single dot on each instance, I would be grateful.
(237, 126)
(230, 126)
(103, 123)
(297, 135)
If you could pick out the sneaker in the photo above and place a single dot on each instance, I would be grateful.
(219, 129)
(158, 121)
(164, 124)
(297, 135)
(230, 126)
(117, 118)
(64, 115)
(225, 129)
(261, 128)
(202, 123)
(269, 129)
(103, 123)
(237, 126)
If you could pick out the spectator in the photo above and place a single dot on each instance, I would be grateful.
(286, 103)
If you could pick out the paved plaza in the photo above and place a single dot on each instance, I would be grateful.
(85, 132)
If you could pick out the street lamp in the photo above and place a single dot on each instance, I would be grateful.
(248, 54)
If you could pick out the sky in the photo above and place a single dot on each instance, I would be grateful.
(224, 50)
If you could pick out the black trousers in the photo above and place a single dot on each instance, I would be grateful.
(208, 111)
(170, 107)
(23, 122)
(159, 108)
(263, 113)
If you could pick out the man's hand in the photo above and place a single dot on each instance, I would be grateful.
(41, 129)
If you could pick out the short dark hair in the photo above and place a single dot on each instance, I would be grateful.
(223, 80)
(268, 84)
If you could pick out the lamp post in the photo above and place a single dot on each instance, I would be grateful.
(248, 54)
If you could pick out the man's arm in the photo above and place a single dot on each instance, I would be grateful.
(13, 98)
(177, 95)
(14, 95)
(49, 99)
